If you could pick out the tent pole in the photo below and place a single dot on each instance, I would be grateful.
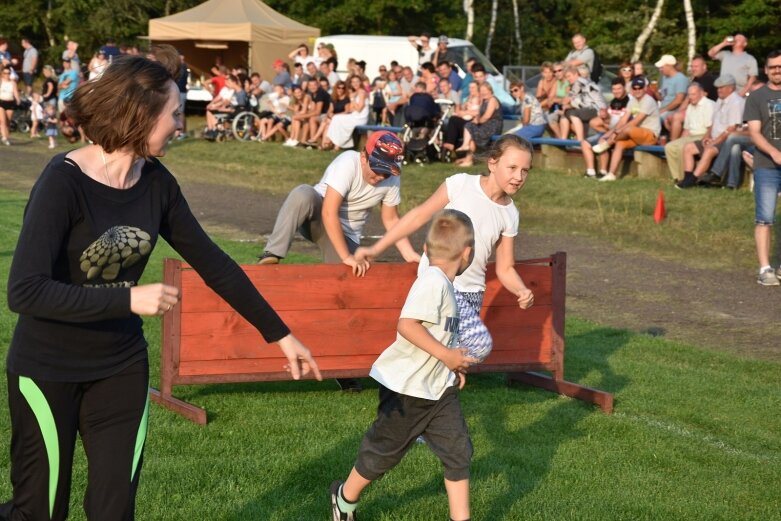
(249, 57)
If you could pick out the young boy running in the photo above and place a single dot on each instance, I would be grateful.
(418, 375)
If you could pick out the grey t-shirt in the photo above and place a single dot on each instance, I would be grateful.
(586, 55)
(30, 59)
(764, 105)
(741, 66)
(648, 106)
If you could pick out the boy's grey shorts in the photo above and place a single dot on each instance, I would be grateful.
(401, 419)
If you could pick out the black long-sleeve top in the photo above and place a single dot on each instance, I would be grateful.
(82, 246)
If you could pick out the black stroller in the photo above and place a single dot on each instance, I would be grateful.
(22, 120)
(422, 134)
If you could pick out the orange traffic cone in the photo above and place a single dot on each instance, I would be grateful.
(659, 212)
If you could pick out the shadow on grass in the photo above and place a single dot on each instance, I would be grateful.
(519, 458)
(522, 471)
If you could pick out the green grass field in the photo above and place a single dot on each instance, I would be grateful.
(695, 434)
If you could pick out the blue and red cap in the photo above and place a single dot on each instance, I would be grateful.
(385, 153)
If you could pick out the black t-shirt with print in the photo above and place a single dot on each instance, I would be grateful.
(322, 95)
(81, 248)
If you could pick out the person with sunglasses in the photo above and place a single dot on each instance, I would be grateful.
(556, 97)
(640, 125)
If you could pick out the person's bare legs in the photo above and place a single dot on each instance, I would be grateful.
(577, 128)
(352, 488)
(564, 124)
(705, 161)
(762, 239)
(615, 158)
(467, 144)
(689, 153)
(588, 154)
(3, 125)
(211, 120)
(675, 124)
(458, 499)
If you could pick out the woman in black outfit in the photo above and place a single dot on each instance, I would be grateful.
(78, 359)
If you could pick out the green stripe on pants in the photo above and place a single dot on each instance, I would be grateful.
(43, 414)
(140, 439)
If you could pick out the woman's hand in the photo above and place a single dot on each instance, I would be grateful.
(153, 299)
(299, 360)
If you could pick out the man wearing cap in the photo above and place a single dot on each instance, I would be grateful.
(640, 125)
(442, 53)
(696, 125)
(763, 114)
(737, 62)
(282, 76)
(672, 90)
(332, 213)
(727, 117)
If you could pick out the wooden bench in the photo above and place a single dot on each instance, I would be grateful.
(347, 322)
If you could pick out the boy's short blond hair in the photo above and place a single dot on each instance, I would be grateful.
(451, 231)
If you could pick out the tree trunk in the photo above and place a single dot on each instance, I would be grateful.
(491, 28)
(518, 41)
(469, 9)
(691, 29)
(640, 43)
(47, 21)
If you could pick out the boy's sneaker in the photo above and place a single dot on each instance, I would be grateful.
(768, 278)
(336, 513)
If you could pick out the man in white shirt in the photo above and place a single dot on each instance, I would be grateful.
(727, 117)
(696, 125)
(332, 213)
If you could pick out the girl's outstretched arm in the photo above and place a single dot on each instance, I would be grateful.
(407, 225)
(505, 271)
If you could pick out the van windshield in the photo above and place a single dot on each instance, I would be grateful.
(464, 52)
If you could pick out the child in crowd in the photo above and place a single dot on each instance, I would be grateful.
(418, 375)
(379, 103)
(487, 200)
(51, 121)
(36, 114)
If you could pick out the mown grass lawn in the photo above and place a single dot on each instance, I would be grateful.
(695, 436)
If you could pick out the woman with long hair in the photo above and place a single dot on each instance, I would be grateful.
(340, 131)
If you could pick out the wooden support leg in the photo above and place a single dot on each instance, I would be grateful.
(601, 398)
(188, 410)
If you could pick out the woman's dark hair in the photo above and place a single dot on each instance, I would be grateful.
(120, 109)
(429, 67)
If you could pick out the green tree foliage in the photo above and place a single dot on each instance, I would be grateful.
(611, 26)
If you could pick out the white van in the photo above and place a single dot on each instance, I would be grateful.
(381, 50)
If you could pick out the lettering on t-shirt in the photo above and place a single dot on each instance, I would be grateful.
(774, 120)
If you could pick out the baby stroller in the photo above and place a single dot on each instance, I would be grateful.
(422, 135)
(22, 120)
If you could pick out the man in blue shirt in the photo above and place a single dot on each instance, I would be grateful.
(66, 86)
(446, 71)
(673, 88)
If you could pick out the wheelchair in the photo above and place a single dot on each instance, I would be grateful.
(231, 125)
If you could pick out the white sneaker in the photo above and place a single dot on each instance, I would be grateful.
(608, 177)
(52, 146)
(768, 278)
(600, 147)
(6, 143)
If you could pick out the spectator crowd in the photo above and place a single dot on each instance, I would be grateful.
(696, 118)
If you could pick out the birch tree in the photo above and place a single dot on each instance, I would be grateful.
(518, 41)
(491, 28)
(640, 42)
(469, 9)
(691, 29)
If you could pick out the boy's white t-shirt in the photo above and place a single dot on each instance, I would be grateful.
(359, 197)
(404, 367)
(491, 221)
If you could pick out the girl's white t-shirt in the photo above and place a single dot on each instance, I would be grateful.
(491, 221)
